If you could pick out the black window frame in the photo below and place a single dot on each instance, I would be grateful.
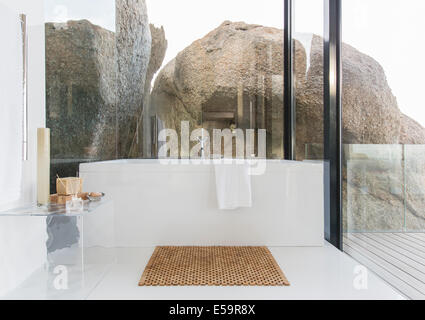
(332, 99)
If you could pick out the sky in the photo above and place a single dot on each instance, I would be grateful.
(390, 31)
(188, 20)
(99, 12)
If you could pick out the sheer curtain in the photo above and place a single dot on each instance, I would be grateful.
(11, 106)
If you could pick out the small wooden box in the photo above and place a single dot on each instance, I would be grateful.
(68, 186)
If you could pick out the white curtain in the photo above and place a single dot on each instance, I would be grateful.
(11, 106)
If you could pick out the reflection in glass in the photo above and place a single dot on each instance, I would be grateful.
(114, 80)
(384, 137)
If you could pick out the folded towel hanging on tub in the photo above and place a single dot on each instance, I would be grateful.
(233, 184)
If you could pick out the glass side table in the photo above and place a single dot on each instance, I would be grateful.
(80, 250)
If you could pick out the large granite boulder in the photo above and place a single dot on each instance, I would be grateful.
(219, 79)
(98, 83)
(411, 132)
(133, 42)
(371, 114)
(209, 74)
(80, 85)
(158, 51)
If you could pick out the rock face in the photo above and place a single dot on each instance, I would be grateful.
(80, 85)
(371, 114)
(411, 132)
(98, 82)
(158, 51)
(309, 104)
(216, 80)
(209, 74)
(133, 42)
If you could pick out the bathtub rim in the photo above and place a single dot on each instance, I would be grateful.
(123, 165)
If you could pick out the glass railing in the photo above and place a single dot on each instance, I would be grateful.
(383, 187)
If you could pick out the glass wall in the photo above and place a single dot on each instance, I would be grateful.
(81, 84)
(118, 73)
(308, 61)
(227, 73)
(308, 16)
(383, 117)
(384, 139)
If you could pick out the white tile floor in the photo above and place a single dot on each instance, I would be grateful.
(314, 273)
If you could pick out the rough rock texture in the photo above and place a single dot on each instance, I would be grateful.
(158, 51)
(236, 66)
(133, 44)
(133, 51)
(80, 85)
(411, 132)
(373, 189)
(98, 83)
(371, 114)
(309, 104)
(377, 176)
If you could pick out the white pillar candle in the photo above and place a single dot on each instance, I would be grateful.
(43, 166)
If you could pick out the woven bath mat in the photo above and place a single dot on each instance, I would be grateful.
(212, 266)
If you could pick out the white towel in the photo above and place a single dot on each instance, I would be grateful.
(233, 184)
(11, 106)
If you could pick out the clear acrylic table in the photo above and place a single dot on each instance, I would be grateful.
(80, 249)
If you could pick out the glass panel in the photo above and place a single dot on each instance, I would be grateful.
(308, 65)
(384, 137)
(381, 111)
(374, 183)
(79, 250)
(414, 187)
(308, 15)
(227, 73)
(119, 72)
(81, 90)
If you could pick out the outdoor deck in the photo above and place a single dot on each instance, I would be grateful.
(398, 258)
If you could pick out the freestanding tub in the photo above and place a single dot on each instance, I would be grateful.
(176, 204)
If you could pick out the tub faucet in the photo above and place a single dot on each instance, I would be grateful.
(202, 141)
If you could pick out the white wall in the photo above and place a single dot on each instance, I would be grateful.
(22, 240)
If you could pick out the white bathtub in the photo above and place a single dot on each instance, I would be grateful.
(176, 204)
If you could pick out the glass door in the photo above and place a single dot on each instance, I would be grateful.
(384, 139)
